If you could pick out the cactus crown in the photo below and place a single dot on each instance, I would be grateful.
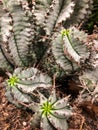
(47, 107)
(65, 32)
(13, 81)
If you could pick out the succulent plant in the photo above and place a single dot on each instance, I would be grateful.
(31, 31)
(89, 83)
(69, 52)
(52, 113)
(22, 89)
(40, 34)
(23, 82)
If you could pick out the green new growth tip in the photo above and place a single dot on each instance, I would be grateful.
(65, 32)
(47, 108)
(12, 81)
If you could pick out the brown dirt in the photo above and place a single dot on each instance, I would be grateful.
(13, 118)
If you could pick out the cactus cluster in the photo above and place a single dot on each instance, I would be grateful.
(31, 30)
(51, 111)
(23, 90)
(37, 40)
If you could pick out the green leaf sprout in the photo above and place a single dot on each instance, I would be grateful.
(47, 108)
(65, 32)
(12, 81)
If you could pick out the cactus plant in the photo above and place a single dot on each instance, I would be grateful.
(89, 81)
(68, 52)
(23, 82)
(52, 113)
(26, 38)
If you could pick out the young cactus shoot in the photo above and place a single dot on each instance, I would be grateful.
(47, 108)
(12, 81)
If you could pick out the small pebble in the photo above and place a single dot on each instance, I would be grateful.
(24, 123)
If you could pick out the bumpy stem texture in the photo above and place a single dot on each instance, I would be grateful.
(30, 32)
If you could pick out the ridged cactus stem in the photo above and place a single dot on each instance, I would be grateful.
(34, 36)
